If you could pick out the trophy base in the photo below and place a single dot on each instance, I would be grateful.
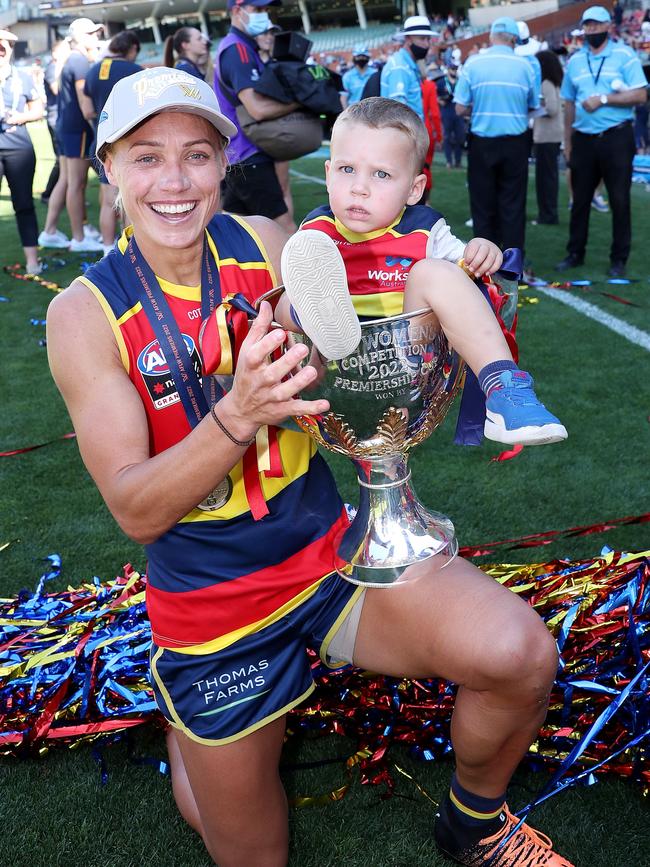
(392, 530)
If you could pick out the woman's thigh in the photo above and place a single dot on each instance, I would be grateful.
(456, 622)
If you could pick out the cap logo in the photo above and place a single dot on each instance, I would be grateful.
(151, 88)
(102, 116)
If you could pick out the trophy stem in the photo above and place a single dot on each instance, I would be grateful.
(392, 529)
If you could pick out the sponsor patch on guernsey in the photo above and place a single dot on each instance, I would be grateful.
(156, 374)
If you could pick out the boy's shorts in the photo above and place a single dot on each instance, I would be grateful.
(220, 697)
(75, 144)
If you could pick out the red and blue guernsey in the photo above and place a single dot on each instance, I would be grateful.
(220, 574)
(378, 263)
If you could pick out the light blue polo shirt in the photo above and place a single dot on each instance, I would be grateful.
(401, 80)
(354, 80)
(500, 87)
(587, 74)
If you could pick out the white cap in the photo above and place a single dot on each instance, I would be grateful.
(417, 25)
(524, 32)
(530, 47)
(8, 36)
(82, 27)
(150, 91)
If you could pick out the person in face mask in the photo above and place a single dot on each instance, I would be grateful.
(251, 185)
(355, 79)
(599, 134)
(401, 78)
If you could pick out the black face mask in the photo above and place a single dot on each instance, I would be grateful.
(361, 62)
(419, 52)
(596, 39)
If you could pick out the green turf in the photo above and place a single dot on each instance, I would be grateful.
(55, 810)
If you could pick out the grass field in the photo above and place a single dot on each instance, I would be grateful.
(55, 810)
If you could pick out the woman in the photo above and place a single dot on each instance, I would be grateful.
(191, 48)
(454, 128)
(19, 104)
(241, 583)
(548, 130)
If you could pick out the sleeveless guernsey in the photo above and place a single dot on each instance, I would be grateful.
(219, 574)
(378, 263)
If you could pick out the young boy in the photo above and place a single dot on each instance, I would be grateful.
(373, 253)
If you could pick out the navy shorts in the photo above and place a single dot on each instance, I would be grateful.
(219, 697)
(75, 144)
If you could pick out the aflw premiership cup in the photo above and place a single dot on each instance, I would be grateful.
(385, 399)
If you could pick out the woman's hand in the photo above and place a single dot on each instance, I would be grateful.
(482, 257)
(264, 391)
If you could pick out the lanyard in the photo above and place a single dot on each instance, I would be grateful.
(15, 93)
(600, 69)
(196, 399)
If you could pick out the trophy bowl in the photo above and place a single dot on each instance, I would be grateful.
(385, 398)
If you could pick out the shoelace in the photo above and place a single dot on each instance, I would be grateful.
(524, 847)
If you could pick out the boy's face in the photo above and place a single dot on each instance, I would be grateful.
(371, 176)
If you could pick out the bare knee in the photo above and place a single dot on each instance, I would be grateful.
(524, 660)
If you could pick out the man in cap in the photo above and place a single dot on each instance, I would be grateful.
(73, 132)
(355, 79)
(401, 78)
(498, 89)
(251, 185)
(602, 84)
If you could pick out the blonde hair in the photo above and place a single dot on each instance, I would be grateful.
(377, 112)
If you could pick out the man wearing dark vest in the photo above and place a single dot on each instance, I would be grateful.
(251, 185)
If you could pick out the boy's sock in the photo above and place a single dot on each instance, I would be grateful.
(471, 817)
(488, 377)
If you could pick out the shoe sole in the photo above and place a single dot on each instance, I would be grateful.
(317, 287)
(532, 435)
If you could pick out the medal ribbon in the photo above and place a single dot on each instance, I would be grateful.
(195, 398)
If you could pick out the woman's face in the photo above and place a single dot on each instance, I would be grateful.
(169, 172)
(196, 48)
(6, 50)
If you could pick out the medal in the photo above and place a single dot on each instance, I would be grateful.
(218, 498)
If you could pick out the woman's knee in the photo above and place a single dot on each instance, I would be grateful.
(524, 658)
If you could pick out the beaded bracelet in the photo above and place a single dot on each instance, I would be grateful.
(222, 427)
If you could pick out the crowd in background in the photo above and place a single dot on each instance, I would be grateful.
(71, 88)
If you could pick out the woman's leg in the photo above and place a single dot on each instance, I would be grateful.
(56, 202)
(282, 171)
(241, 804)
(75, 195)
(460, 624)
(107, 215)
(19, 167)
(463, 313)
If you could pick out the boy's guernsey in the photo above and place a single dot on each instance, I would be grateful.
(219, 574)
(378, 263)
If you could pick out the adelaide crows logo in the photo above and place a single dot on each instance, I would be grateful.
(397, 260)
(156, 374)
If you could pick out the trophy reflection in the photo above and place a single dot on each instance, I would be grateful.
(386, 398)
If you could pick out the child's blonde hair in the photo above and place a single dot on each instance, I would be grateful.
(378, 112)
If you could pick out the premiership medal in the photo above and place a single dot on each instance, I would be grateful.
(218, 498)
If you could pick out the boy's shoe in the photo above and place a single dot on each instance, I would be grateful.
(526, 847)
(599, 203)
(88, 245)
(514, 415)
(56, 240)
(317, 287)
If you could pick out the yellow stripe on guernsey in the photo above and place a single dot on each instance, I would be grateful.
(379, 305)
(261, 246)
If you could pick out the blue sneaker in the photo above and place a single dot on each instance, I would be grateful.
(515, 415)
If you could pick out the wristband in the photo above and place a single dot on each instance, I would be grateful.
(225, 430)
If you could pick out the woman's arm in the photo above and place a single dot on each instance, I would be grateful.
(148, 494)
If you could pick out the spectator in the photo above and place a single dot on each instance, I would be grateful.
(433, 124)
(498, 88)
(453, 125)
(547, 136)
(251, 185)
(355, 79)
(400, 77)
(75, 134)
(119, 63)
(20, 105)
(265, 42)
(192, 51)
(599, 136)
(60, 52)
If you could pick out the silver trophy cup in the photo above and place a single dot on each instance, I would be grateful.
(385, 398)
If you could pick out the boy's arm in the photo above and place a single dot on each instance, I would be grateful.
(481, 256)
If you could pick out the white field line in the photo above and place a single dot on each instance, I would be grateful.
(302, 177)
(629, 332)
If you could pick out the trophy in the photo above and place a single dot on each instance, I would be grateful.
(386, 398)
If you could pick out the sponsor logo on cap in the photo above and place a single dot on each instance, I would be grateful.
(152, 88)
(103, 116)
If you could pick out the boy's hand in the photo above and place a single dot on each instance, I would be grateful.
(482, 257)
